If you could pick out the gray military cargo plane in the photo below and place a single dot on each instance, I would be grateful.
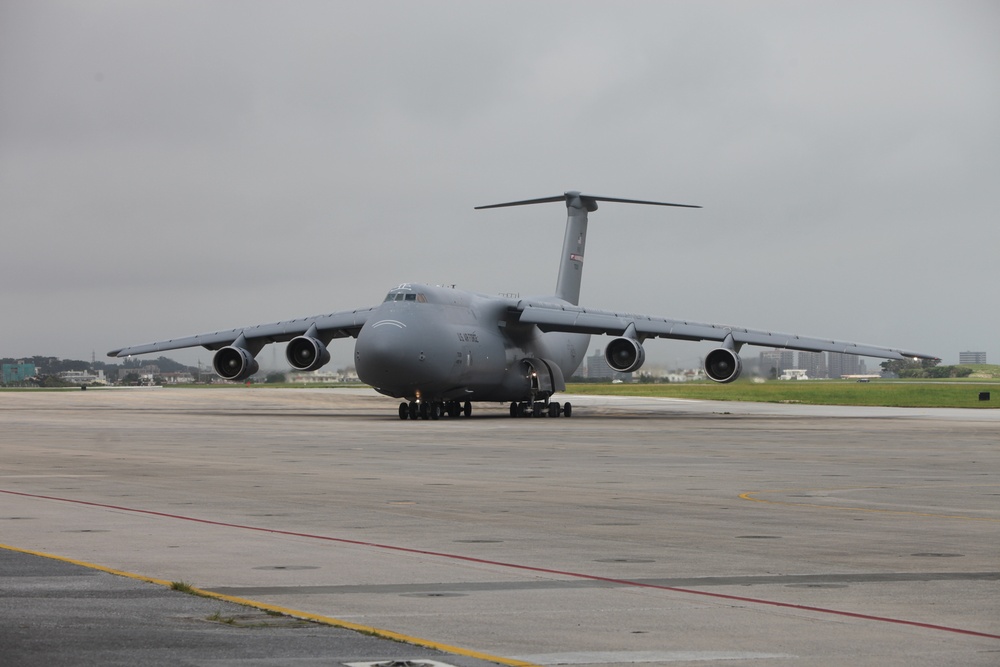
(440, 348)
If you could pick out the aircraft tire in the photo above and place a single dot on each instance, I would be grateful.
(467, 409)
(554, 409)
(513, 409)
(435, 410)
(567, 409)
(424, 411)
(414, 410)
(404, 410)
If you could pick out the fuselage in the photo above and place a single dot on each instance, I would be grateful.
(435, 343)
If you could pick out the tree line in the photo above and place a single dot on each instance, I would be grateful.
(924, 368)
(47, 369)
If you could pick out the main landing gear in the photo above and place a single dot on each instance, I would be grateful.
(434, 410)
(540, 409)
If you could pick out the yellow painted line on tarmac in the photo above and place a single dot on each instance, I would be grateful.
(295, 613)
(749, 495)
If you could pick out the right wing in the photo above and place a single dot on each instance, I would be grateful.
(565, 317)
(335, 325)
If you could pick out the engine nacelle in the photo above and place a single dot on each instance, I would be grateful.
(723, 365)
(624, 355)
(306, 353)
(234, 363)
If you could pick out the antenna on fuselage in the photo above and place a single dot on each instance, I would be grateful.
(575, 239)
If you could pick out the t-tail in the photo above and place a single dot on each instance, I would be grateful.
(575, 241)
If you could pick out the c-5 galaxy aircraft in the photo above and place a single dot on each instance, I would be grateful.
(439, 348)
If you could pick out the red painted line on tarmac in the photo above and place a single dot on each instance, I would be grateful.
(530, 568)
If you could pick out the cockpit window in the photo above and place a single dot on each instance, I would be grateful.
(406, 296)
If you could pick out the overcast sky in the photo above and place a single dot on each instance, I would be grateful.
(171, 168)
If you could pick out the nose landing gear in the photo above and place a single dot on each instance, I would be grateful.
(434, 409)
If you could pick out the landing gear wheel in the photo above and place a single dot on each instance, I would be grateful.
(424, 411)
(513, 409)
(404, 410)
(414, 410)
(537, 409)
(467, 409)
(567, 409)
(554, 409)
(435, 410)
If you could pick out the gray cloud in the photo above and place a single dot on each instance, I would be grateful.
(170, 168)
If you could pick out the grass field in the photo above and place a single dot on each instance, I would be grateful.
(894, 393)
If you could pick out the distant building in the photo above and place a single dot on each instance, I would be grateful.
(323, 377)
(599, 369)
(778, 360)
(687, 375)
(840, 365)
(181, 377)
(83, 377)
(17, 373)
(813, 363)
(793, 374)
(145, 375)
(972, 357)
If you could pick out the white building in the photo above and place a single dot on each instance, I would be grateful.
(83, 377)
(688, 375)
(324, 377)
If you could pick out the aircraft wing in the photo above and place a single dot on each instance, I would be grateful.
(560, 317)
(335, 325)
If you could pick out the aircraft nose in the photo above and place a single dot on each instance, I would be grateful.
(388, 357)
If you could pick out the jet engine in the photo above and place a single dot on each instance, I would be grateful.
(306, 353)
(234, 363)
(723, 365)
(624, 354)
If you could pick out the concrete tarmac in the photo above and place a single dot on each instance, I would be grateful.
(639, 531)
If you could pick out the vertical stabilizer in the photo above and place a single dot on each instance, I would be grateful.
(575, 240)
(574, 245)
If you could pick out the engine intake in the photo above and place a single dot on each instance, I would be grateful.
(306, 353)
(234, 363)
(624, 355)
(723, 365)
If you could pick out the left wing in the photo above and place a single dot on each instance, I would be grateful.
(569, 318)
(335, 325)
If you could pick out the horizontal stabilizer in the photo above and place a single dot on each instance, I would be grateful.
(588, 200)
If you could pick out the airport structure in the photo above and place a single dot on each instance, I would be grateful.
(972, 357)
(642, 490)
(776, 360)
(83, 377)
(599, 368)
(812, 364)
(17, 373)
(840, 365)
